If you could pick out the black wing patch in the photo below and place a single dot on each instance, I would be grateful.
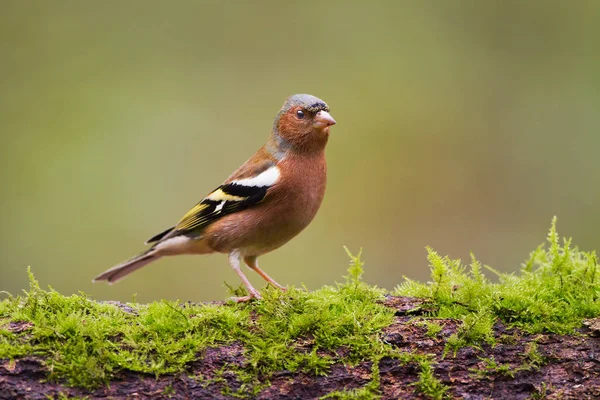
(224, 200)
(159, 236)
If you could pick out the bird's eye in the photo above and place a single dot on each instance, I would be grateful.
(300, 114)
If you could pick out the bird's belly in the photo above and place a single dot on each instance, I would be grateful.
(252, 232)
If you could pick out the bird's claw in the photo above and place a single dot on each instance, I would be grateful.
(242, 299)
(278, 286)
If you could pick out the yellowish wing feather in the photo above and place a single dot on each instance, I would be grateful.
(220, 195)
(190, 217)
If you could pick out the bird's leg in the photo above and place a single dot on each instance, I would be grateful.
(252, 263)
(234, 260)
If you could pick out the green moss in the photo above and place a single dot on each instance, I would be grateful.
(558, 287)
(169, 391)
(433, 328)
(531, 360)
(428, 384)
(491, 367)
(476, 328)
(368, 392)
(364, 393)
(533, 357)
(84, 342)
(542, 392)
(62, 396)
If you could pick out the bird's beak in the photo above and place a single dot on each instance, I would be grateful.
(323, 120)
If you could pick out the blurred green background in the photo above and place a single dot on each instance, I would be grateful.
(461, 125)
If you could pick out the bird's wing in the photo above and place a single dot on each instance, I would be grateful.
(224, 200)
(159, 236)
(244, 188)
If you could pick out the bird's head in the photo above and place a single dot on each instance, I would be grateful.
(303, 123)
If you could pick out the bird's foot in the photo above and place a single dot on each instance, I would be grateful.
(277, 285)
(253, 295)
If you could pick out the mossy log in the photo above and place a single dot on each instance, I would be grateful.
(518, 366)
(530, 335)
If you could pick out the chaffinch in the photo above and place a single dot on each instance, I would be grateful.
(261, 206)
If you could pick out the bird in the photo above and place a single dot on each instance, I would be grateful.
(265, 203)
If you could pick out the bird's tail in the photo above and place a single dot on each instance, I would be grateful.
(120, 271)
